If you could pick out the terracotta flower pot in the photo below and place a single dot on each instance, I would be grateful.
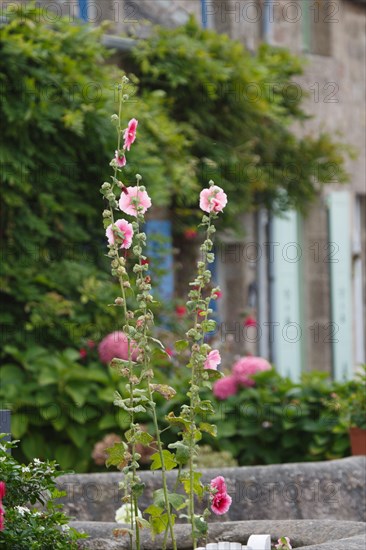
(358, 441)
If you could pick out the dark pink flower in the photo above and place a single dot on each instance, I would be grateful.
(220, 500)
(120, 159)
(2, 512)
(83, 353)
(114, 345)
(245, 367)
(133, 198)
(90, 344)
(130, 133)
(124, 228)
(213, 199)
(250, 322)
(225, 387)
(181, 311)
(213, 359)
(218, 294)
(190, 233)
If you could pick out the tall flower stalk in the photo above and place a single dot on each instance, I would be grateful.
(123, 235)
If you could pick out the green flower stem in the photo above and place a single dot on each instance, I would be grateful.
(194, 393)
(156, 426)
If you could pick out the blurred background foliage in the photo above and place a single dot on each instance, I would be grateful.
(58, 92)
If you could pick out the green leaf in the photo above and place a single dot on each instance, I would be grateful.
(118, 455)
(181, 452)
(19, 425)
(169, 460)
(181, 345)
(197, 485)
(208, 428)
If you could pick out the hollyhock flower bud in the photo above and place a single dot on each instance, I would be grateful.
(225, 387)
(213, 359)
(125, 228)
(213, 199)
(134, 201)
(130, 133)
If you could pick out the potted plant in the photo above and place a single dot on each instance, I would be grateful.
(352, 410)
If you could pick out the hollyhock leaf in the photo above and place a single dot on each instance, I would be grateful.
(200, 526)
(208, 428)
(181, 345)
(197, 485)
(138, 489)
(118, 455)
(181, 452)
(169, 461)
(154, 510)
(143, 523)
(163, 389)
(144, 438)
(209, 325)
(214, 375)
(178, 420)
(204, 406)
(177, 501)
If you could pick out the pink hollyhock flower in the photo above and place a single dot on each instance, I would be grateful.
(120, 159)
(2, 512)
(245, 367)
(220, 501)
(213, 199)
(130, 133)
(125, 228)
(133, 198)
(83, 353)
(114, 345)
(218, 294)
(225, 387)
(213, 359)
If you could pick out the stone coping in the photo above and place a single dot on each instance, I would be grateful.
(304, 534)
(315, 490)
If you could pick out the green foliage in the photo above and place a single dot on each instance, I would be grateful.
(237, 108)
(41, 528)
(350, 403)
(278, 421)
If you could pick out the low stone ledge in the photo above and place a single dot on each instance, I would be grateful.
(304, 534)
(318, 490)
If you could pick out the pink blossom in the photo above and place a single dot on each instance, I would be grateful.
(225, 387)
(180, 311)
(190, 233)
(83, 353)
(130, 133)
(218, 294)
(213, 199)
(2, 512)
(245, 367)
(114, 345)
(120, 159)
(134, 197)
(250, 322)
(213, 359)
(220, 500)
(125, 228)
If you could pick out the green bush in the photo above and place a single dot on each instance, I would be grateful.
(279, 421)
(41, 528)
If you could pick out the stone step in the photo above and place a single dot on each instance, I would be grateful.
(317, 490)
(304, 534)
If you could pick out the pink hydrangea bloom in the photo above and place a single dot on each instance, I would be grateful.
(213, 359)
(114, 345)
(220, 501)
(125, 228)
(127, 202)
(213, 199)
(120, 159)
(245, 367)
(130, 133)
(225, 387)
